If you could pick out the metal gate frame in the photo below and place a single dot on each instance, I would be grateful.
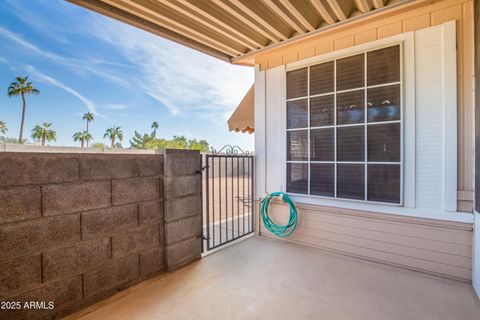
(242, 202)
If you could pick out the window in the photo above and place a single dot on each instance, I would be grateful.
(344, 128)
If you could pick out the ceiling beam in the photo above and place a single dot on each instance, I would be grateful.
(337, 9)
(392, 7)
(131, 19)
(240, 37)
(161, 19)
(257, 18)
(363, 5)
(378, 4)
(294, 11)
(283, 15)
(323, 11)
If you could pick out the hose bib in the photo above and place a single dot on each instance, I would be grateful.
(272, 226)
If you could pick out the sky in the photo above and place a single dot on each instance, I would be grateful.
(82, 61)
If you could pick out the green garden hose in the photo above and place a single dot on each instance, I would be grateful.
(272, 226)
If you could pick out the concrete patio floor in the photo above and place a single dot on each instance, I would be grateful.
(266, 279)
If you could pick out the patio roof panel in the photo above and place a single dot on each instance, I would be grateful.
(233, 30)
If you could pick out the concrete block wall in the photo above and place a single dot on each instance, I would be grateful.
(183, 207)
(77, 228)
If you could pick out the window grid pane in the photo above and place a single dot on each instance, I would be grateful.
(297, 145)
(322, 111)
(297, 83)
(321, 144)
(297, 178)
(364, 122)
(322, 179)
(297, 114)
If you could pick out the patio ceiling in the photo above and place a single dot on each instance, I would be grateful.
(232, 29)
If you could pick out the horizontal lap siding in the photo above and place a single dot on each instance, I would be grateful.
(441, 248)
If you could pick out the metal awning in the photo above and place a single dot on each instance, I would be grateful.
(234, 30)
(242, 118)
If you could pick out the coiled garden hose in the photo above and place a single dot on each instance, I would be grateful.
(272, 226)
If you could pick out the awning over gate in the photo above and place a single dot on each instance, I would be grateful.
(242, 118)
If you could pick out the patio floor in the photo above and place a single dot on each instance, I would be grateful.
(266, 279)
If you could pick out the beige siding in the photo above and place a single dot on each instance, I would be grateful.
(433, 246)
(405, 20)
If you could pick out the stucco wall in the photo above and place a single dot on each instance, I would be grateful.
(77, 228)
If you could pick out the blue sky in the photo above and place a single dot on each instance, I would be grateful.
(82, 61)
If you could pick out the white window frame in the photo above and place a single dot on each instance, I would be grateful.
(365, 124)
(270, 129)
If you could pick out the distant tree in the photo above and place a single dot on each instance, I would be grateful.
(21, 87)
(179, 142)
(82, 137)
(3, 127)
(201, 145)
(89, 117)
(11, 140)
(155, 127)
(98, 145)
(43, 133)
(140, 141)
(113, 133)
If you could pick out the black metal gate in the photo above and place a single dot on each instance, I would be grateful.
(227, 196)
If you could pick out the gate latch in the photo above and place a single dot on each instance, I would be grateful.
(203, 169)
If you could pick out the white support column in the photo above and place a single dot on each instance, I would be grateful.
(476, 215)
(476, 253)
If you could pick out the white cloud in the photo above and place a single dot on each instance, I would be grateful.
(115, 106)
(49, 80)
(183, 80)
(26, 12)
(27, 45)
(74, 64)
(170, 105)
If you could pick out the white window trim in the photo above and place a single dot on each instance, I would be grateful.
(408, 119)
(335, 56)
(409, 209)
(450, 110)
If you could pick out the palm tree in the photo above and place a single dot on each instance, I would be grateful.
(114, 133)
(82, 137)
(21, 87)
(154, 127)
(44, 133)
(89, 117)
(3, 127)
